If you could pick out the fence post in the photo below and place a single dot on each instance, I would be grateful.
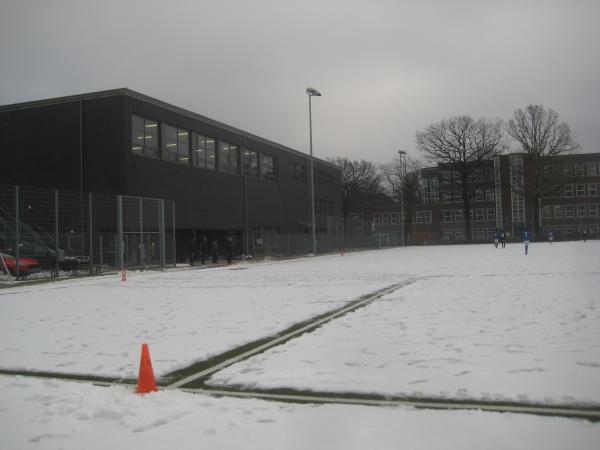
(162, 235)
(91, 253)
(101, 254)
(141, 248)
(120, 231)
(17, 232)
(56, 255)
(174, 239)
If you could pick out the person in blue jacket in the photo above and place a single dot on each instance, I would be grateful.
(496, 238)
(526, 238)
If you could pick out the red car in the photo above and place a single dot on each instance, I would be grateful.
(27, 266)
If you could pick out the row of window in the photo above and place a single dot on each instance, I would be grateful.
(169, 143)
(478, 176)
(570, 211)
(391, 218)
(478, 195)
(575, 190)
(459, 234)
(590, 169)
(476, 214)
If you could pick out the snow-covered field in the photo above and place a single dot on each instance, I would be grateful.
(478, 322)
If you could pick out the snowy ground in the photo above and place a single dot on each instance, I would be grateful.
(479, 322)
(46, 414)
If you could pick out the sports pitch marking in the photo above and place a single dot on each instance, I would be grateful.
(588, 413)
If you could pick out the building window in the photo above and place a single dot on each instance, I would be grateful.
(394, 218)
(579, 170)
(558, 211)
(430, 187)
(558, 193)
(569, 211)
(581, 210)
(580, 190)
(229, 156)
(323, 207)
(458, 216)
(144, 136)
(251, 163)
(377, 218)
(323, 179)
(447, 215)
(423, 217)
(385, 219)
(480, 234)
(490, 214)
(591, 169)
(299, 172)
(489, 195)
(459, 235)
(268, 170)
(175, 144)
(547, 212)
(479, 215)
(593, 210)
(592, 189)
(568, 190)
(203, 151)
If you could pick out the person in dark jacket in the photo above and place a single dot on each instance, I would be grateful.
(192, 250)
(526, 237)
(203, 250)
(229, 249)
(503, 239)
(214, 250)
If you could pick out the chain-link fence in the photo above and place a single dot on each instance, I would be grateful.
(48, 233)
(333, 234)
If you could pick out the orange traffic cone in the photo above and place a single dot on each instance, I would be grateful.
(146, 381)
(123, 275)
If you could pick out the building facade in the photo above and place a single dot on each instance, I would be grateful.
(501, 200)
(224, 181)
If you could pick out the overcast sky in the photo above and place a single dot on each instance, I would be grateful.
(386, 69)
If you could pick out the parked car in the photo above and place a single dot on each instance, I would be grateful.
(27, 266)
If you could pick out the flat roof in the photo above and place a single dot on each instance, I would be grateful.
(153, 101)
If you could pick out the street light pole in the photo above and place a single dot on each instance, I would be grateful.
(312, 93)
(402, 170)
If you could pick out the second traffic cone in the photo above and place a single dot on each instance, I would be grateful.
(146, 381)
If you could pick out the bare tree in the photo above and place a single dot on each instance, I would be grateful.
(358, 178)
(541, 137)
(463, 144)
(403, 176)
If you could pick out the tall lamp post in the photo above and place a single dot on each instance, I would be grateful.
(312, 93)
(402, 170)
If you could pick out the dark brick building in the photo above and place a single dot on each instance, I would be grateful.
(224, 181)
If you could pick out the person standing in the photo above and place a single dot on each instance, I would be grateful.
(526, 237)
(203, 250)
(503, 239)
(214, 249)
(551, 236)
(229, 249)
(192, 250)
(584, 235)
(496, 238)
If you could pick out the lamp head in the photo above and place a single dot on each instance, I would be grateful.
(313, 92)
